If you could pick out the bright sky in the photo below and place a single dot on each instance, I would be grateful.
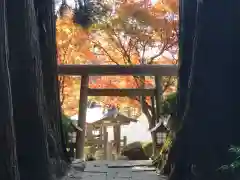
(72, 2)
(154, 1)
(140, 128)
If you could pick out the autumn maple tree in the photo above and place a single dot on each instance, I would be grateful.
(73, 47)
(135, 33)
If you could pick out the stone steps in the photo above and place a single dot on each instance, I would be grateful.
(115, 170)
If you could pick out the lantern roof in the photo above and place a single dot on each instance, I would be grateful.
(97, 115)
(160, 127)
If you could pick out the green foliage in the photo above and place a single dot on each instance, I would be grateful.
(168, 108)
(89, 12)
(160, 160)
(235, 165)
(167, 144)
(170, 104)
(66, 122)
(147, 148)
(86, 12)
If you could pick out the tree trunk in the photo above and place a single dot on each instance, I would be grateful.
(28, 104)
(8, 156)
(187, 26)
(47, 38)
(211, 108)
(27, 91)
(209, 111)
(235, 72)
(235, 15)
(150, 117)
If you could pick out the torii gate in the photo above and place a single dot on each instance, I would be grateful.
(108, 70)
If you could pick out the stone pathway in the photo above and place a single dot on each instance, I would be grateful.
(114, 170)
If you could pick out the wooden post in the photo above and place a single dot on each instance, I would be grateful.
(117, 137)
(110, 70)
(152, 125)
(124, 141)
(89, 132)
(82, 117)
(158, 95)
(102, 134)
(105, 133)
(109, 151)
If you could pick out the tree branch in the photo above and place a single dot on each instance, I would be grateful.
(106, 52)
(124, 52)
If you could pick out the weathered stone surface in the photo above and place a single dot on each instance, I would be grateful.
(134, 151)
(122, 158)
(78, 165)
(115, 170)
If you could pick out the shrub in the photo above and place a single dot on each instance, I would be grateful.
(161, 159)
(235, 165)
(170, 104)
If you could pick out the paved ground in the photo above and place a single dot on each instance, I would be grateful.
(114, 170)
